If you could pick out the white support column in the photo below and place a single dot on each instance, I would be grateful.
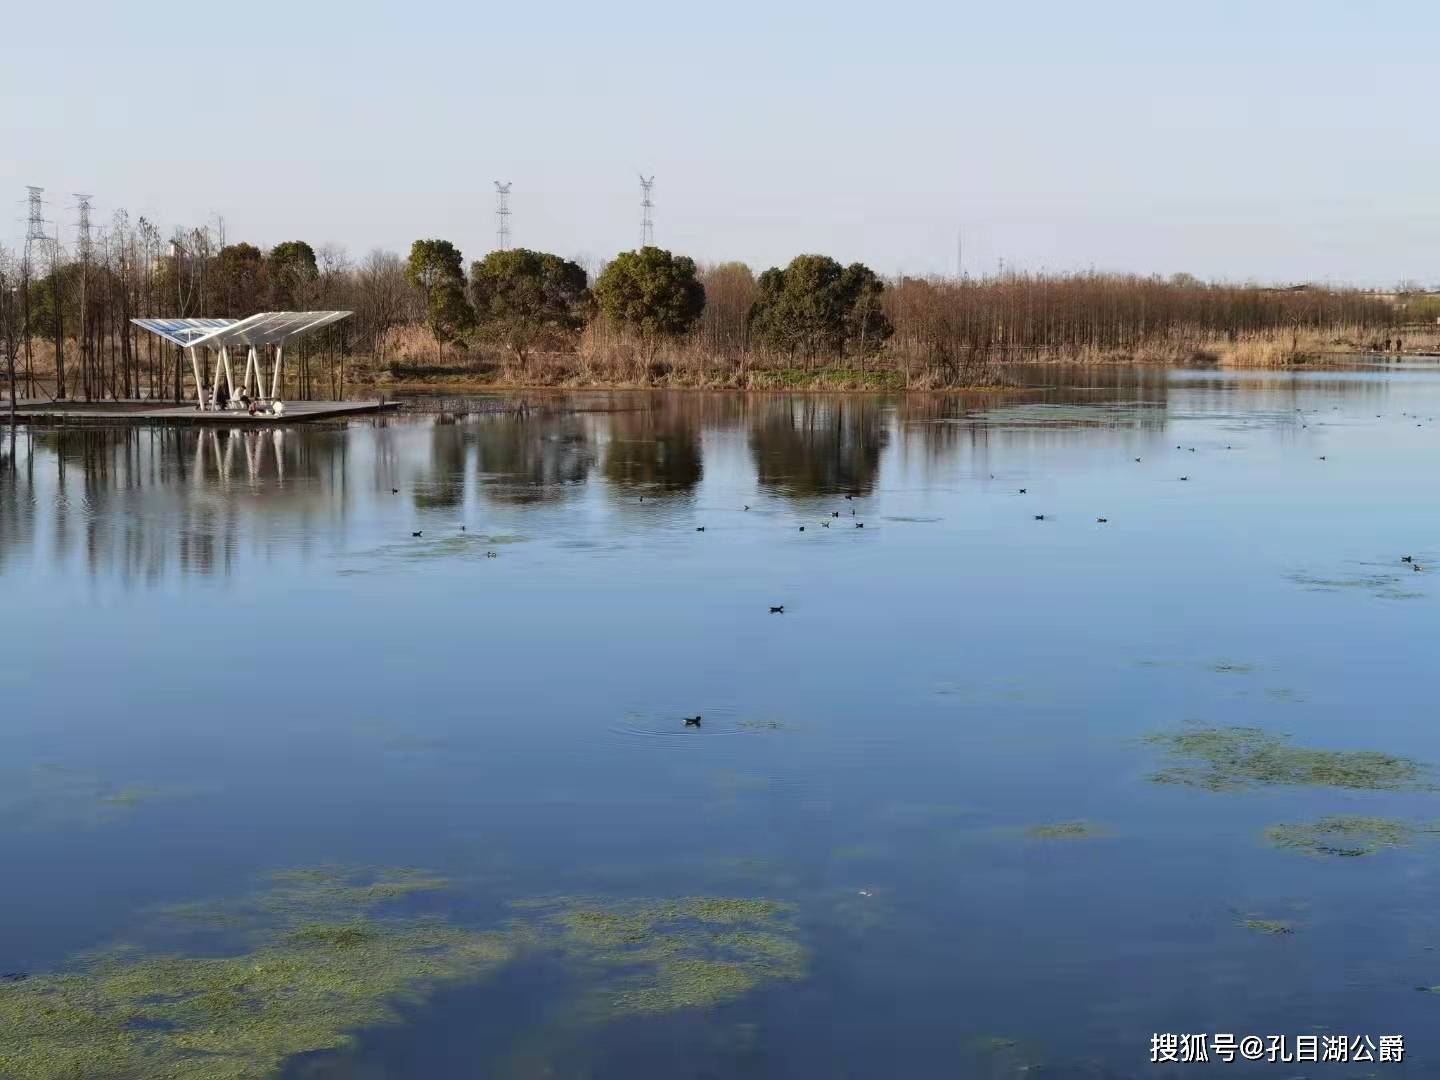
(229, 375)
(275, 381)
(199, 381)
(252, 363)
(215, 383)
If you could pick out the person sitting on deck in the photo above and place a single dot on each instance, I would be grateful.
(222, 396)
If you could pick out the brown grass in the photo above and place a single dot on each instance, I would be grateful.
(411, 358)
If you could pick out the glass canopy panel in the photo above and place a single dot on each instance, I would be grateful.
(183, 332)
(265, 328)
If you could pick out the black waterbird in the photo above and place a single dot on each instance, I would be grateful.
(777, 609)
(692, 721)
(415, 534)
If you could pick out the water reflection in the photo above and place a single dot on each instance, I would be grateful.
(531, 459)
(458, 640)
(142, 503)
(804, 447)
(653, 450)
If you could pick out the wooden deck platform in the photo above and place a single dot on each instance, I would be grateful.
(155, 412)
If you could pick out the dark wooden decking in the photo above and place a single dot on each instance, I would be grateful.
(146, 412)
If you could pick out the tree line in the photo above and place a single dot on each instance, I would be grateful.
(645, 314)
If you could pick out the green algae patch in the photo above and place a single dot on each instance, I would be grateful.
(298, 984)
(1273, 927)
(228, 1017)
(1234, 758)
(335, 886)
(1348, 837)
(762, 725)
(236, 988)
(728, 783)
(996, 1043)
(1284, 693)
(657, 956)
(1062, 830)
(55, 796)
(1382, 586)
(1231, 667)
(128, 796)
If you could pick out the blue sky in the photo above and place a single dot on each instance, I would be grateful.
(1268, 140)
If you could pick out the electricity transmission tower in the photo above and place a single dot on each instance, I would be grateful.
(502, 215)
(85, 244)
(647, 220)
(85, 248)
(37, 238)
(35, 226)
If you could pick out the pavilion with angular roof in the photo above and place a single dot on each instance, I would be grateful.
(257, 334)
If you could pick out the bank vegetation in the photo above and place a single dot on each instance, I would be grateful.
(646, 318)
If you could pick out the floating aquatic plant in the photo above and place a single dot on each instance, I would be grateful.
(761, 725)
(456, 547)
(1275, 927)
(1347, 836)
(1229, 758)
(51, 795)
(656, 956)
(1383, 586)
(323, 952)
(1230, 667)
(1283, 693)
(1063, 830)
(301, 983)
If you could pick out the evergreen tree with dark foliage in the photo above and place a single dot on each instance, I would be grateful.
(524, 297)
(651, 292)
(815, 307)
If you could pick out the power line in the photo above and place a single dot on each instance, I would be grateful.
(647, 220)
(502, 215)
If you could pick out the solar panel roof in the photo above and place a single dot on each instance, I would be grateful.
(183, 332)
(265, 328)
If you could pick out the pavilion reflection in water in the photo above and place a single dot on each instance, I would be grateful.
(144, 504)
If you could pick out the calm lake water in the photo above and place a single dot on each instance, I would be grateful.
(225, 654)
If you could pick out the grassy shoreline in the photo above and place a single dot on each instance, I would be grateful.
(992, 372)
